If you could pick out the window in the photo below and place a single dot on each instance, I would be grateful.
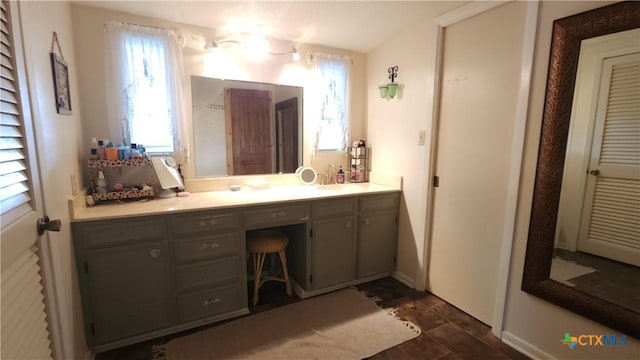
(144, 86)
(333, 126)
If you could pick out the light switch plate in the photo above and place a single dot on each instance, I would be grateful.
(421, 135)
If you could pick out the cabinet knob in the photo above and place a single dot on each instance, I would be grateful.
(211, 245)
(211, 302)
(278, 214)
(366, 221)
(155, 253)
(347, 225)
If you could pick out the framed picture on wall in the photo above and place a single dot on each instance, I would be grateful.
(61, 84)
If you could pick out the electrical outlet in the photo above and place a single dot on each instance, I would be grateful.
(421, 135)
(74, 185)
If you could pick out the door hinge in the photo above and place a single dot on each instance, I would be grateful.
(93, 329)
(86, 267)
(436, 181)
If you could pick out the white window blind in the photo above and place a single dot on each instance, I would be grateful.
(14, 181)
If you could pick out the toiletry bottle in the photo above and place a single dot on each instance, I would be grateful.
(93, 152)
(340, 176)
(102, 183)
(352, 175)
(101, 155)
(111, 152)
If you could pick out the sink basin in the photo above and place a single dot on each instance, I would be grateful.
(330, 187)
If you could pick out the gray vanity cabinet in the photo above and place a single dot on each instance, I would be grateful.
(210, 276)
(377, 234)
(333, 242)
(124, 270)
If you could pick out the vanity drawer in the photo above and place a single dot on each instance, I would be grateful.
(210, 302)
(204, 247)
(333, 208)
(273, 216)
(379, 203)
(206, 273)
(204, 222)
(108, 232)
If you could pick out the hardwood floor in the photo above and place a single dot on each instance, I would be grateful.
(447, 333)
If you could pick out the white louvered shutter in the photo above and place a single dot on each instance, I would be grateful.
(613, 228)
(14, 183)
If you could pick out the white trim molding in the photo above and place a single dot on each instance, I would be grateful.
(524, 347)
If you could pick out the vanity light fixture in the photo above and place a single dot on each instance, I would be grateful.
(295, 55)
(388, 91)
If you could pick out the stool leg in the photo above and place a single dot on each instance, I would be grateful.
(258, 262)
(283, 260)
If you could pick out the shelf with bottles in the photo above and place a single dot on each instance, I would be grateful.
(125, 194)
(358, 169)
(94, 164)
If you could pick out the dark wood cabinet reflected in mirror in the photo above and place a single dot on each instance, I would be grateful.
(567, 40)
(245, 128)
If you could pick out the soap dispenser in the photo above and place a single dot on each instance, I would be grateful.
(340, 176)
(102, 183)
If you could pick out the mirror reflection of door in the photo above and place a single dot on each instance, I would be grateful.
(287, 135)
(610, 225)
(249, 120)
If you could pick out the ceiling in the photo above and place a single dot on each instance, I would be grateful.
(353, 25)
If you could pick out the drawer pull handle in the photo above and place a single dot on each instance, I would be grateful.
(278, 214)
(210, 222)
(347, 225)
(211, 245)
(211, 302)
(155, 253)
(366, 221)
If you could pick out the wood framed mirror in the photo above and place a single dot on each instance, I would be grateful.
(568, 34)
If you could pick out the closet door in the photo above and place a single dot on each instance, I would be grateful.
(480, 83)
(26, 320)
(610, 224)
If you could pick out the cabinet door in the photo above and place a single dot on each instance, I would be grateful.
(129, 289)
(333, 252)
(377, 243)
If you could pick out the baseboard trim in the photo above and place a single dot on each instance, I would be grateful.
(525, 347)
(405, 279)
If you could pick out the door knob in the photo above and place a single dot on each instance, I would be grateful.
(45, 224)
(594, 172)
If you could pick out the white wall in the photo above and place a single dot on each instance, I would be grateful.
(88, 30)
(535, 321)
(392, 129)
(393, 126)
(58, 139)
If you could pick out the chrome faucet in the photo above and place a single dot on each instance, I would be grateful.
(331, 170)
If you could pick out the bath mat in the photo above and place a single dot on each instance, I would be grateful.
(563, 271)
(344, 324)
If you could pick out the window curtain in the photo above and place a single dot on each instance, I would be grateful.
(129, 78)
(333, 76)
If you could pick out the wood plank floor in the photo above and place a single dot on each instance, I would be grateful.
(447, 333)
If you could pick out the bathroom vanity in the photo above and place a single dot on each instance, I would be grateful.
(151, 268)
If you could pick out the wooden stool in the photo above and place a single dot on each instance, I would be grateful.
(261, 243)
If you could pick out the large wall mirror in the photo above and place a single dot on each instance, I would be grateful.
(583, 251)
(245, 128)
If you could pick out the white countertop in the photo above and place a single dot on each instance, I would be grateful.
(211, 200)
